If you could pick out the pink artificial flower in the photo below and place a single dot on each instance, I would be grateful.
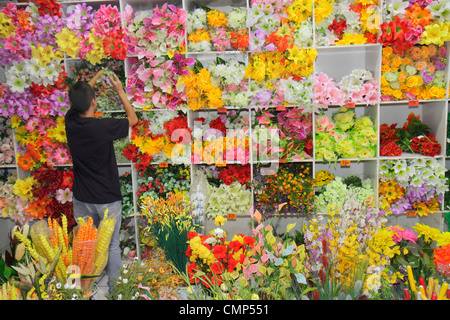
(265, 118)
(403, 234)
(64, 195)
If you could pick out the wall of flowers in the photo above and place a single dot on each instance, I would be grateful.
(353, 96)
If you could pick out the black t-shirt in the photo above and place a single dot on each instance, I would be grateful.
(96, 177)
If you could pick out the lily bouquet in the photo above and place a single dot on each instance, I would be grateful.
(156, 182)
(415, 185)
(414, 74)
(229, 189)
(408, 23)
(357, 87)
(343, 135)
(294, 127)
(346, 22)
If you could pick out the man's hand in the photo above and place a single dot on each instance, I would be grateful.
(95, 77)
(115, 83)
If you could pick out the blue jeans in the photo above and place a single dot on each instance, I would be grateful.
(96, 211)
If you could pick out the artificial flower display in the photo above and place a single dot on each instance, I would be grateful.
(156, 41)
(41, 141)
(284, 189)
(212, 255)
(417, 73)
(156, 182)
(213, 30)
(343, 135)
(221, 138)
(159, 137)
(359, 87)
(107, 99)
(346, 22)
(331, 193)
(408, 23)
(229, 189)
(7, 155)
(293, 138)
(416, 185)
(414, 136)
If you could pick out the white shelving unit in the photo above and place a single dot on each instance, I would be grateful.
(336, 62)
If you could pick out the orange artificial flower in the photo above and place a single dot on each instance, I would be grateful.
(418, 15)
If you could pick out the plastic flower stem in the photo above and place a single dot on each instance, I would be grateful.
(412, 282)
(442, 291)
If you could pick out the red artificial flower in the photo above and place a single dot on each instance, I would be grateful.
(131, 152)
(338, 27)
(390, 149)
(50, 7)
(240, 39)
(394, 34)
(178, 129)
(218, 124)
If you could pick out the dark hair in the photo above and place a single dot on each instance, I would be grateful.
(81, 95)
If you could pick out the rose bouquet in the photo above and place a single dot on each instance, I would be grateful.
(289, 190)
(213, 30)
(331, 195)
(411, 185)
(159, 137)
(346, 22)
(414, 74)
(294, 127)
(221, 138)
(357, 87)
(343, 135)
(414, 136)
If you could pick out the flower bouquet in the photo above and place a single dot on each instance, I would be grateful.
(416, 185)
(294, 127)
(279, 25)
(414, 136)
(346, 22)
(415, 74)
(93, 35)
(221, 138)
(41, 141)
(7, 143)
(287, 191)
(330, 193)
(343, 135)
(297, 64)
(213, 30)
(357, 87)
(170, 219)
(211, 256)
(154, 33)
(417, 22)
(107, 99)
(157, 138)
(229, 76)
(156, 182)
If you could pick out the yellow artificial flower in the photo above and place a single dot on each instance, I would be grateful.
(435, 33)
(429, 233)
(23, 187)
(68, 42)
(216, 19)
(6, 27)
(349, 38)
(323, 9)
